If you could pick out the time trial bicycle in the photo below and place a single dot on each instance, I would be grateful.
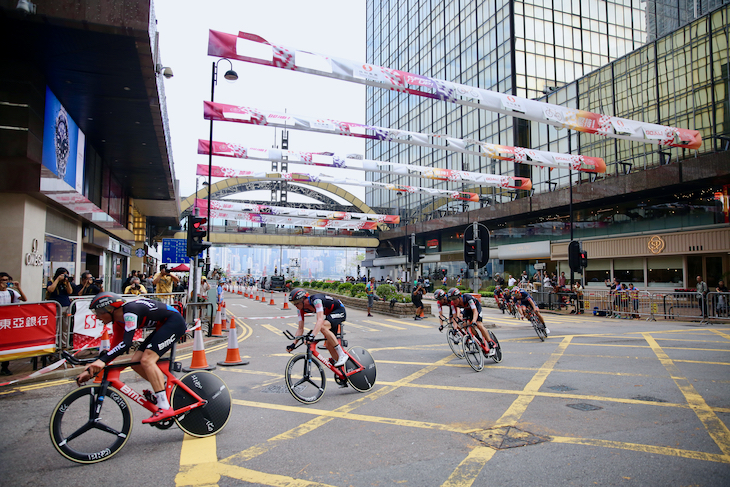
(305, 377)
(475, 350)
(536, 323)
(93, 422)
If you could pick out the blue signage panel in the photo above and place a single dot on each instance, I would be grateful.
(175, 251)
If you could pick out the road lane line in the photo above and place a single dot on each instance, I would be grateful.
(363, 327)
(468, 470)
(385, 325)
(715, 427)
(271, 328)
(518, 407)
(412, 324)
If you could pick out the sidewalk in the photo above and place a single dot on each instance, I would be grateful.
(24, 367)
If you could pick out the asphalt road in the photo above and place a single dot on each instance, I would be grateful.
(600, 402)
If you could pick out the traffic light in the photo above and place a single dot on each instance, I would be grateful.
(583, 259)
(418, 253)
(476, 245)
(196, 233)
(574, 256)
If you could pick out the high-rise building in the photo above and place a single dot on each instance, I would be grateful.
(665, 16)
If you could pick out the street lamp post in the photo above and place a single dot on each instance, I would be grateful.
(230, 75)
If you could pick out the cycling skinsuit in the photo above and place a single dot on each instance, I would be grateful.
(333, 309)
(145, 313)
(521, 297)
(471, 305)
(441, 307)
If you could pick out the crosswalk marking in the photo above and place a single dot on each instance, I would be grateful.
(410, 324)
(366, 328)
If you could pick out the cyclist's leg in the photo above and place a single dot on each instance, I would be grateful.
(485, 335)
(330, 329)
(158, 343)
(537, 311)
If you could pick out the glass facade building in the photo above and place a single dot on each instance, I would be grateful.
(680, 79)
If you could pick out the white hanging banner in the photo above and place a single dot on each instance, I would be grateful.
(241, 114)
(254, 49)
(349, 161)
(228, 172)
(286, 220)
(293, 212)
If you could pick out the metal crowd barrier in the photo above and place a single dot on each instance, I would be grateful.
(6, 323)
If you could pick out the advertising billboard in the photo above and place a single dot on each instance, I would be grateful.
(63, 144)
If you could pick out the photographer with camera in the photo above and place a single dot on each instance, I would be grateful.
(60, 288)
(163, 282)
(88, 285)
(135, 287)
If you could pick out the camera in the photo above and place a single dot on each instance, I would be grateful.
(98, 282)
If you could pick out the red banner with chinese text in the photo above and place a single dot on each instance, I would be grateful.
(27, 330)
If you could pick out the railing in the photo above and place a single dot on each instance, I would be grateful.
(635, 304)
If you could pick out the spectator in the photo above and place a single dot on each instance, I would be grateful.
(370, 289)
(128, 281)
(547, 284)
(416, 298)
(147, 281)
(219, 290)
(498, 280)
(60, 289)
(444, 281)
(578, 289)
(561, 280)
(10, 292)
(163, 282)
(702, 295)
(524, 279)
(135, 287)
(721, 307)
(511, 282)
(203, 291)
(458, 281)
(88, 286)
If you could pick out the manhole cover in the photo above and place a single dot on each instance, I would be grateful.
(275, 389)
(503, 437)
(648, 398)
(562, 388)
(584, 407)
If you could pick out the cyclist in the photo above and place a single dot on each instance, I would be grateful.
(441, 301)
(499, 297)
(330, 315)
(472, 314)
(169, 326)
(522, 300)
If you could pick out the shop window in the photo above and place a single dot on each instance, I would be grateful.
(59, 253)
(665, 272)
(597, 272)
(629, 270)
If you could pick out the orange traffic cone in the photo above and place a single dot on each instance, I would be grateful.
(271, 303)
(217, 326)
(233, 356)
(286, 302)
(257, 296)
(105, 343)
(199, 362)
(239, 291)
(224, 317)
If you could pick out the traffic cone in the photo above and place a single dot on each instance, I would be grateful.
(271, 303)
(105, 343)
(239, 291)
(233, 356)
(257, 296)
(199, 362)
(286, 302)
(224, 317)
(217, 326)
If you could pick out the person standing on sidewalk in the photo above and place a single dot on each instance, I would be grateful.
(417, 302)
(370, 289)
(10, 292)
(702, 295)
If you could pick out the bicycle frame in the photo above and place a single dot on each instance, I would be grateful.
(312, 352)
(470, 330)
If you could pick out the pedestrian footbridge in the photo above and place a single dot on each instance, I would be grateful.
(233, 234)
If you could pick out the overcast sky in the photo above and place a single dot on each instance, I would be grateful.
(334, 28)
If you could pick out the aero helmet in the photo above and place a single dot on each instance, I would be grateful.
(297, 294)
(454, 294)
(439, 294)
(106, 300)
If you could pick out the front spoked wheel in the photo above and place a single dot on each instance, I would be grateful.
(86, 428)
(454, 339)
(539, 327)
(210, 418)
(305, 382)
(473, 353)
(364, 380)
(497, 357)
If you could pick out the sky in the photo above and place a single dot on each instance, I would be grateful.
(334, 28)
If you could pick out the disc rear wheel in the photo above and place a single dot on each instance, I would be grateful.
(210, 418)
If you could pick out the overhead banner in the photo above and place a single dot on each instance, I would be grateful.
(286, 220)
(254, 116)
(255, 49)
(293, 212)
(482, 179)
(227, 172)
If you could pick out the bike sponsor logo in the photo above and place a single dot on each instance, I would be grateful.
(338, 315)
(209, 424)
(196, 382)
(63, 408)
(118, 399)
(133, 395)
(100, 454)
(220, 391)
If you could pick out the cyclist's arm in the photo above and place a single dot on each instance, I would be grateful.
(474, 312)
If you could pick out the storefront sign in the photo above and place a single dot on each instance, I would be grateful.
(139, 253)
(433, 243)
(532, 250)
(34, 257)
(656, 244)
(125, 250)
(27, 330)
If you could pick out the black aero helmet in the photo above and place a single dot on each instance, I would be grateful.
(106, 300)
(454, 294)
(439, 294)
(297, 294)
